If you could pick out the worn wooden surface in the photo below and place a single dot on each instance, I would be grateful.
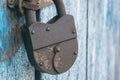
(10, 32)
(9, 42)
(98, 29)
(103, 39)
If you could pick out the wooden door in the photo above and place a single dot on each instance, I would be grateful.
(98, 30)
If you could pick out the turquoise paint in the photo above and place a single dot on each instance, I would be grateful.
(18, 69)
(111, 19)
(5, 38)
(19, 64)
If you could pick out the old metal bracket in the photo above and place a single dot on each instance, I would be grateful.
(36, 5)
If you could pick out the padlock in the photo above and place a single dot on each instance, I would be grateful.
(52, 47)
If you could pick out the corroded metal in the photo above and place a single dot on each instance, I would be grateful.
(51, 52)
(65, 58)
(45, 56)
(34, 5)
(50, 46)
(58, 33)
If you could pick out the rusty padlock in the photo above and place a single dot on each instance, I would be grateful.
(52, 47)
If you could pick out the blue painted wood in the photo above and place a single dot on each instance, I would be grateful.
(103, 39)
(4, 31)
(18, 68)
(117, 60)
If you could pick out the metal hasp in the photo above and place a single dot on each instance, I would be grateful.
(34, 5)
(51, 47)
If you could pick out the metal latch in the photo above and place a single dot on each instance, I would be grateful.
(21, 4)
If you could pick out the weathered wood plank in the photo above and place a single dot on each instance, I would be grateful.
(10, 31)
(103, 24)
(117, 60)
(18, 68)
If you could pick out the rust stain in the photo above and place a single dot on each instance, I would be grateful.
(41, 57)
(50, 49)
(46, 62)
(58, 62)
(14, 31)
(46, 1)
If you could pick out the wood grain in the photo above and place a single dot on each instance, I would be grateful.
(10, 31)
(18, 68)
(103, 24)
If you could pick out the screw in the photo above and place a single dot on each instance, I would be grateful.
(33, 32)
(41, 63)
(57, 49)
(47, 29)
(73, 31)
(38, 2)
(75, 53)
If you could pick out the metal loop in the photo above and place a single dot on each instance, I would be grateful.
(60, 7)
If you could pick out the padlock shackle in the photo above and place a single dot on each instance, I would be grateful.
(60, 7)
(30, 15)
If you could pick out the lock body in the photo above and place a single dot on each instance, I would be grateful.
(52, 47)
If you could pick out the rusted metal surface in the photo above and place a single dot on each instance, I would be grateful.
(34, 5)
(58, 62)
(45, 56)
(65, 57)
(44, 59)
(41, 41)
(48, 34)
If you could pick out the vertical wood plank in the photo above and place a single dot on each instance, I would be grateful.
(19, 67)
(103, 43)
(117, 58)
